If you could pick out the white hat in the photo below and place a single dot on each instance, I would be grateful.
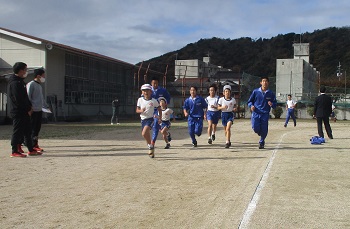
(146, 87)
(162, 98)
(227, 87)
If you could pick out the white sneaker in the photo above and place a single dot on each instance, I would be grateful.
(112, 123)
(118, 123)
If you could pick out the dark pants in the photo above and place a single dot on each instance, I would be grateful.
(36, 120)
(325, 120)
(21, 130)
(115, 112)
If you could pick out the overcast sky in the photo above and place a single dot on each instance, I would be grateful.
(136, 30)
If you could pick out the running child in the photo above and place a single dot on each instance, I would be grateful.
(227, 105)
(213, 114)
(145, 107)
(165, 125)
(194, 107)
(260, 103)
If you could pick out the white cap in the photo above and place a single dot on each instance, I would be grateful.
(161, 98)
(146, 87)
(227, 87)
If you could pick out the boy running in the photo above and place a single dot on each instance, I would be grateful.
(165, 125)
(213, 114)
(227, 105)
(193, 108)
(260, 103)
(145, 107)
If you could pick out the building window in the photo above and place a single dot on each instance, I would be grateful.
(93, 81)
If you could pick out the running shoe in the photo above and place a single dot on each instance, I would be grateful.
(18, 155)
(210, 141)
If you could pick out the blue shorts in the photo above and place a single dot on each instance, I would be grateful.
(226, 117)
(213, 116)
(166, 124)
(147, 122)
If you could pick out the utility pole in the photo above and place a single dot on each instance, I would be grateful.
(345, 107)
(339, 74)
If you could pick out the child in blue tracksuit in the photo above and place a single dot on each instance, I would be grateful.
(158, 92)
(260, 103)
(194, 108)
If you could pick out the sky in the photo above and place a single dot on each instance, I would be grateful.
(137, 30)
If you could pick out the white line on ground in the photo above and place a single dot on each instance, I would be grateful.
(256, 196)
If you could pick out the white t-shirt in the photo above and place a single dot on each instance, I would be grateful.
(290, 103)
(166, 114)
(212, 101)
(230, 103)
(150, 105)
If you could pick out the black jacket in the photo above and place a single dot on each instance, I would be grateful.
(17, 97)
(323, 106)
(115, 103)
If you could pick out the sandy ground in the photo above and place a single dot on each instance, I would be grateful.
(106, 180)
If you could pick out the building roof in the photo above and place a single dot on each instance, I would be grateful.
(51, 44)
(227, 75)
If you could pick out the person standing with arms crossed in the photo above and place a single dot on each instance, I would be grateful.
(322, 111)
(35, 95)
(20, 110)
(194, 107)
(290, 111)
(260, 102)
(158, 92)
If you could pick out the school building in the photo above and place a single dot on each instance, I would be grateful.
(80, 85)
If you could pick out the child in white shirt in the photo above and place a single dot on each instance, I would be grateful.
(227, 105)
(145, 107)
(165, 125)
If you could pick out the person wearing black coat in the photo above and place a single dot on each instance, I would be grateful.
(20, 110)
(322, 111)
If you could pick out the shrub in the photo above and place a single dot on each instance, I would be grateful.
(310, 111)
(277, 112)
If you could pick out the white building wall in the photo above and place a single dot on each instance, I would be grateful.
(289, 78)
(190, 68)
(301, 51)
(15, 50)
(296, 77)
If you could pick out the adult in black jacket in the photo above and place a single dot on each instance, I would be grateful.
(322, 111)
(20, 111)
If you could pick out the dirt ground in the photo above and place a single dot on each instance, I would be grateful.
(105, 179)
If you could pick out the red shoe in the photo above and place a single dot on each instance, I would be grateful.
(34, 153)
(38, 148)
(19, 148)
(18, 155)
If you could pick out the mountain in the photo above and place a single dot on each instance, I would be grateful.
(258, 57)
